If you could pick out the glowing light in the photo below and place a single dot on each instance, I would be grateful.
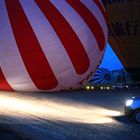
(108, 88)
(129, 102)
(87, 87)
(31, 108)
(102, 87)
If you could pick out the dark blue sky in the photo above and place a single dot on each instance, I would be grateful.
(110, 60)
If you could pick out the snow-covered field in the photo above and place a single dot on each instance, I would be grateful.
(75, 115)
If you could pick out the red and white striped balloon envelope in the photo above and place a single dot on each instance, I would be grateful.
(50, 45)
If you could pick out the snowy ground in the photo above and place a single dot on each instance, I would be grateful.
(76, 115)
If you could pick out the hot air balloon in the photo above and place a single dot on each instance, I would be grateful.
(124, 33)
(50, 45)
(102, 76)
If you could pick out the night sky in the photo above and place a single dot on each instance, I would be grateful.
(107, 60)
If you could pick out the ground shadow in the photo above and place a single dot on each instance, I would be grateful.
(124, 119)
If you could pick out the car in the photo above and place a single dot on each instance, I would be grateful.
(132, 108)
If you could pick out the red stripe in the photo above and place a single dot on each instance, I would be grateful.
(98, 3)
(68, 37)
(4, 85)
(90, 20)
(29, 48)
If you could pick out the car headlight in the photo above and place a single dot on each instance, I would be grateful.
(129, 102)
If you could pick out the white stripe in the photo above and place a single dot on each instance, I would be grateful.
(10, 60)
(83, 32)
(51, 45)
(102, 4)
(94, 9)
